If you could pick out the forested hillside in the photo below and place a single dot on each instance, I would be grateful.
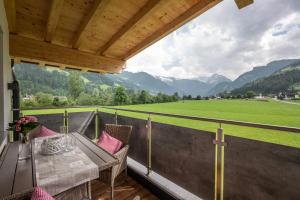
(33, 79)
(286, 80)
(42, 87)
(256, 73)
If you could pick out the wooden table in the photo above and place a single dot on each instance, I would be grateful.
(19, 176)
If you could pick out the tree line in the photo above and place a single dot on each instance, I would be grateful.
(81, 94)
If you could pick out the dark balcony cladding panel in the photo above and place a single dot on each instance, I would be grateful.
(90, 131)
(185, 156)
(52, 121)
(138, 139)
(260, 170)
(77, 121)
(182, 155)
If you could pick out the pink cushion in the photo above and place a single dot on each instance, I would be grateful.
(34, 132)
(41, 131)
(109, 143)
(39, 194)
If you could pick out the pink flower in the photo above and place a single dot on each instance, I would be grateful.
(31, 118)
(18, 128)
(18, 122)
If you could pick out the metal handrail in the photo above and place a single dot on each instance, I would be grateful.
(220, 121)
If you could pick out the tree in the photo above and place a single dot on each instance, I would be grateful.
(189, 97)
(250, 94)
(60, 101)
(85, 99)
(175, 96)
(198, 97)
(76, 84)
(44, 99)
(120, 96)
(143, 97)
(95, 92)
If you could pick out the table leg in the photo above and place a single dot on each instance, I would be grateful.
(89, 189)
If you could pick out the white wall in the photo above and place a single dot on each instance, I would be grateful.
(5, 73)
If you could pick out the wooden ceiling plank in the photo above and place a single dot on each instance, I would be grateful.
(54, 13)
(243, 3)
(188, 15)
(10, 6)
(131, 23)
(53, 54)
(98, 6)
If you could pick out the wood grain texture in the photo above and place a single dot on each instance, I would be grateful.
(194, 11)
(132, 22)
(42, 51)
(55, 10)
(125, 189)
(8, 168)
(114, 28)
(98, 6)
(10, 6)
(23, 175)
(243, 3)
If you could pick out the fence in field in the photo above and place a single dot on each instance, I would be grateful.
(209, 164)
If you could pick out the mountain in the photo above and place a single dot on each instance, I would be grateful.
(214, 79)
(55, 81)
(189, 87)
(141, 81)
(255, 74)
(286, 79)
(198, 86)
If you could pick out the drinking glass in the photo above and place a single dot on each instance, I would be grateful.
(63, 129)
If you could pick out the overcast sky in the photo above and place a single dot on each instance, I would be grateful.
(226, 41)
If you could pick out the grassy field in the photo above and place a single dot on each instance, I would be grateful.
(271, 112)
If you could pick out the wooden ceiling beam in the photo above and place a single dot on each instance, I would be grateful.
(52, 54)
(10, 8)
(243, 3)
(54, 13)
(131, 23)
(188, 15)
(98, 6)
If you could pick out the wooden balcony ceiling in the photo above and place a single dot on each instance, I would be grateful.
(95, 35)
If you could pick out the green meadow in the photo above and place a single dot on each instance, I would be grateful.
(265, 112)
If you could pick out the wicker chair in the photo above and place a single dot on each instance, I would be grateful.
(26, 195)
(122, 133)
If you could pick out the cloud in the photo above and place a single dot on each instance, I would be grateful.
(226, 41)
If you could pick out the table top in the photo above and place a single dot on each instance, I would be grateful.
(18, 176)
(59, 172)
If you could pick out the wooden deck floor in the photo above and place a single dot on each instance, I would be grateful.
(125, 189)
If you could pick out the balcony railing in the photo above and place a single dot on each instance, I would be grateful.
(211, 165)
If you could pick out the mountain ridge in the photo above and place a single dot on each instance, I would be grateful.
(55, 81)
(256, 73)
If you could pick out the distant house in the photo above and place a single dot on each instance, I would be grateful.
(260, 97)
(28, 98)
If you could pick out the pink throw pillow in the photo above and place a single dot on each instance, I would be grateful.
(39, 194)
(41, 131)
(46, 132)
(109, 143)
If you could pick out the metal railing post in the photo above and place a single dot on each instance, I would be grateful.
(97, 124)
(149, 145)
(219, 164)
(116, 118)
(66, 116)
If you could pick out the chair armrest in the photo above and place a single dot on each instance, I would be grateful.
(121, 156)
